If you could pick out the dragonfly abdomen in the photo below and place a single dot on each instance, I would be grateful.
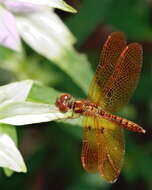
(131, 126)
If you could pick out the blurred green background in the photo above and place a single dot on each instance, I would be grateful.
(52, 150)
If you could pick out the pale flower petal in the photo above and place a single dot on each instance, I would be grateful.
(50, 3)
(16, 110)
(45, 33)
(9, 36)
(23, 113)
(17, 7)
(17, 91)
(10, 156)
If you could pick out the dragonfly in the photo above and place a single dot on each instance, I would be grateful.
(113, 84)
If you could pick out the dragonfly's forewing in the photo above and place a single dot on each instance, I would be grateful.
(112, 49)
(117, 74)
(124, 79)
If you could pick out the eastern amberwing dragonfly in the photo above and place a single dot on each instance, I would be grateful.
(114, 82)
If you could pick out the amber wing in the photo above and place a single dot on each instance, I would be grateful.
(115, 80)
(124, 79)
(121, 81)
(112, 49)
(104, 151)
(89, 156)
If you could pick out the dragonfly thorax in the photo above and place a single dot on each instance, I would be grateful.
(86, 107)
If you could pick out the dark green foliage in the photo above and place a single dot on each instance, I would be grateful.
(52, 150)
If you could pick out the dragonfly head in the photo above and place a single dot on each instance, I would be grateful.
(64, 102)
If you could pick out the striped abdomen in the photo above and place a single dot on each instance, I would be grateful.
(131, 126)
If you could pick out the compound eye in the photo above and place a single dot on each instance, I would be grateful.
(61, 102)
(65, 97)
(63, 107)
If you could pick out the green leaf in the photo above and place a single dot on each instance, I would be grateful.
(9, 130)
(42, 94)
(8, 172)
(77, 67)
